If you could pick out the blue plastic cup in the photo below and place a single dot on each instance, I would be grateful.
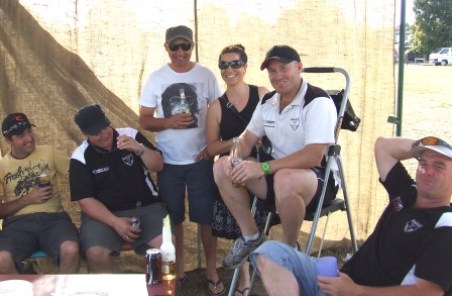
(326, 266)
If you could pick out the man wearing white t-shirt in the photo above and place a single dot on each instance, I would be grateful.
(299, 120)
(174, 104)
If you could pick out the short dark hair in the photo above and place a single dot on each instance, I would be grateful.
(235, 48)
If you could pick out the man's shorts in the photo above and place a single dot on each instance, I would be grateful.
(24, 234)
(197, 180)
(302, 266)
(95, 233)
(330, 194)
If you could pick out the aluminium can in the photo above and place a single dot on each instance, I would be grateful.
(153, 266)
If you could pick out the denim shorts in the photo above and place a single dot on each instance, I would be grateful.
(301, 265)
(197, 180)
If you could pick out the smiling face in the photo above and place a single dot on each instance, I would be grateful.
(22, 145)
(180, 54)
(230, 75)
(285, 77)
(434, 177)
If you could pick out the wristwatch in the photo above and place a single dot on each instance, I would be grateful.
(266, 167)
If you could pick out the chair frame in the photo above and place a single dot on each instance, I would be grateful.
(333, 155)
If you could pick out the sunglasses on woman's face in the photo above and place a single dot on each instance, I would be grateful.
(234, 64)
(175, 46)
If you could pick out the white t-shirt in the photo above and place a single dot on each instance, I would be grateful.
(165, 90)
(296, 126)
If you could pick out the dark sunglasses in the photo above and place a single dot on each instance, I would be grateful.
(15, 127)
(175, 46)
(234, 64)
(432, 141)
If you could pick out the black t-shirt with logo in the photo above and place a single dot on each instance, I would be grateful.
(407, 243)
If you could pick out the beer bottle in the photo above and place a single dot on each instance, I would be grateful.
(235, 157)
(168, 251)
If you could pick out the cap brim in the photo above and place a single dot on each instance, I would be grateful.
(97, 127)
(178, 37)
(417, 151)
(265, 63)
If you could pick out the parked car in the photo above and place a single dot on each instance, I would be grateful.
(441, 56)
(433, 56)
(445, 56)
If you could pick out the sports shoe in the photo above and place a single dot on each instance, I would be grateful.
(240, 251)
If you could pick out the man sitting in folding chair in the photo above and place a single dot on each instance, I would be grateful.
(299, 119)
(409, 251)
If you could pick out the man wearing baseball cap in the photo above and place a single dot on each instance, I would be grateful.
(32, 213)
(174, 105)
(299, 120)
(409, 251)
(110, 179)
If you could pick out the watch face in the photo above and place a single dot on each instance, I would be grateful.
(265, 167)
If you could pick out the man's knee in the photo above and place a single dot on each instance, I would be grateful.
(291, 182)
(218, 171)
(69, 248)
(98, 254)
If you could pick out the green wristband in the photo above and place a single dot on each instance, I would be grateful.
(266, 167)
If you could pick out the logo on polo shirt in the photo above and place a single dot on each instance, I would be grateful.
(101, 170)
(269, 123)
(295, 123)
(412, 225)
(128, 159)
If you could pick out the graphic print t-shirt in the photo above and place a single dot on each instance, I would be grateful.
(170, 92)
(19, 176)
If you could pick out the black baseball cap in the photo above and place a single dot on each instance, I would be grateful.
(15, 124)
(282, 53)
(174, 33)
(91, 119)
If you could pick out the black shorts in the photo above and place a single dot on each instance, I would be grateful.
(330, 194)
(24, 234)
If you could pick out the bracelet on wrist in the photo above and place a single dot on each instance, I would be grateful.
(139, 153)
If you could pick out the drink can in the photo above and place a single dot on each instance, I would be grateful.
(153, 266)
(135, 222)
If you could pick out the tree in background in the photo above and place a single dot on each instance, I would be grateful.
(433, 25)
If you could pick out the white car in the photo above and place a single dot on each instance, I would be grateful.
(441, 56)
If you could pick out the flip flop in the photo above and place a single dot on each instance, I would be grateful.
(242, 292)
(215, 286)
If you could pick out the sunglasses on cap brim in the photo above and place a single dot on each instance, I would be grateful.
(15, 128)
(432, 141)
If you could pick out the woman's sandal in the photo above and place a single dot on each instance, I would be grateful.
(242, 292)
(215, 285)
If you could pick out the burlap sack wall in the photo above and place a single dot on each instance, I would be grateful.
(57, 55)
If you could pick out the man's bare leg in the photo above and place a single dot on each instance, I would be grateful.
(69, 257)
(294, 189)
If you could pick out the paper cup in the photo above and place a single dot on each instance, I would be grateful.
(15, 288)
(326, 266)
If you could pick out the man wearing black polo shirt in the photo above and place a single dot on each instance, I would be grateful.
(408, 253)
(109, 177)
